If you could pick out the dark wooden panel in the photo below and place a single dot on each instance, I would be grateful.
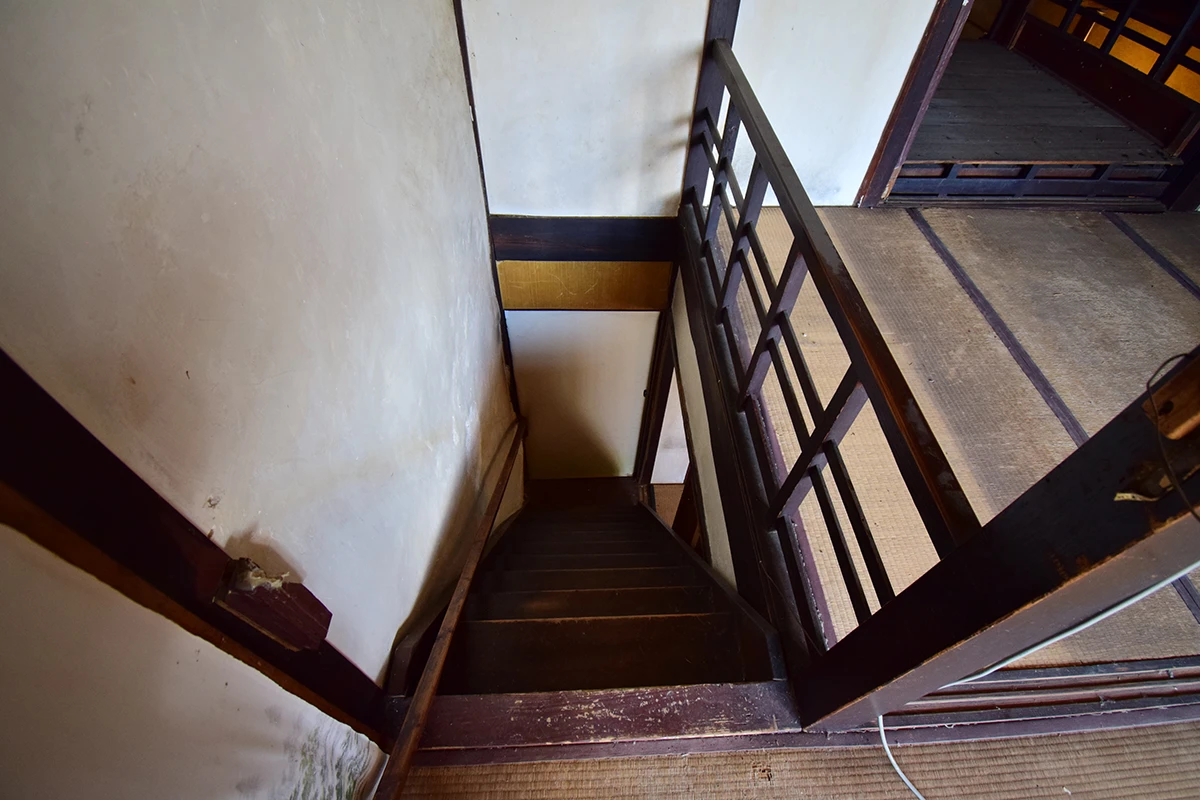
(1161, 113)
(592, 603)
(585, 238)
(1024, 188)
(591, 653)
(62, 488)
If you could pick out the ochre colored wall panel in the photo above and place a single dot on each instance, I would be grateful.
(585, 285)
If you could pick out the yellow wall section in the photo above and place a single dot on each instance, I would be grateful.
(585, 285)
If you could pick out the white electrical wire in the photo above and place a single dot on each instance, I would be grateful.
(1087, 623)
(896, 766)
(1124, 604)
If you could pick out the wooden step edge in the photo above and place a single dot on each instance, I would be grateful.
(613, 619)
(608, 715)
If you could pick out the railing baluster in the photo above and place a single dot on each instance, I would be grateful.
(761, 439)
(858, 598)
(858, 523)
(729, 137)
(832, 425)
(1118, 25)
(800, 366)
(795, 414)
(806, 584)
(794, 273)
(947, 514)
(760, 256)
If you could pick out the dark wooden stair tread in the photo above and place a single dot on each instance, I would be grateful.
(516, 580)
(549, 547)
(591, 602)
(591, 653)
(591, 560)
(601, 598)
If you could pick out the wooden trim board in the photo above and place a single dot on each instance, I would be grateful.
(584, 238)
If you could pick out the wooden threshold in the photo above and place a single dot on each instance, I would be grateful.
(509, 728)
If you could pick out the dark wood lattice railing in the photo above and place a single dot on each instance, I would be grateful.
(1031, 573)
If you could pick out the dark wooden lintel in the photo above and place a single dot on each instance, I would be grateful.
(584, 238)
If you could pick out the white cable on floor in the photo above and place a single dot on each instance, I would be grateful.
(1087, 623)
(896, 766)
(1124, 604)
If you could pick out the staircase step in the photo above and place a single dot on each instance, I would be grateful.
(590, 603)
(591, 653)
(537, 579)
(591, 560)
(568, 535)
(551, 547)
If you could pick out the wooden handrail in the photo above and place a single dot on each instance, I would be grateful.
(392, 781)
(943, 505)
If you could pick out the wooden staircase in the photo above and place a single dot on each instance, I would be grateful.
(600, 597)
(591, 624)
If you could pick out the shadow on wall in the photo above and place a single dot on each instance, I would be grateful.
(473, 489)
(564, 406)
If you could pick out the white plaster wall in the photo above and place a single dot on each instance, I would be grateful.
(671, 460)
(583, 106)
(581, 379)
(827, 75)
(243, 241)
(106, 699)
(705, 464)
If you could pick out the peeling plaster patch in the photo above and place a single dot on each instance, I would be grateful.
(326, 763)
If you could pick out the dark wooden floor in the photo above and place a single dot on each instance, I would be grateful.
(993, 105)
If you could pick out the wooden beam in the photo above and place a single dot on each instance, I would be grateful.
(924, 75)
(1066, 550)
(658, 390)
(400, 759)
(585, 285)
(584, 238)
(66, 491)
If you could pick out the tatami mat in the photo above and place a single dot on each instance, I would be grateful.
(1072, 288)
(1176, 236)
(1156, 762)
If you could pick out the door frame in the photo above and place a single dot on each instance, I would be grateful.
(924, 75)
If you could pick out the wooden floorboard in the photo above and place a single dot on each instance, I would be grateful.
(993, 105)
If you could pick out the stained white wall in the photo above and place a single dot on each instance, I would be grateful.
(583, 106)
(703, 460)
(827, 75)
(243, 242)
(106, 699)
(581, 379)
